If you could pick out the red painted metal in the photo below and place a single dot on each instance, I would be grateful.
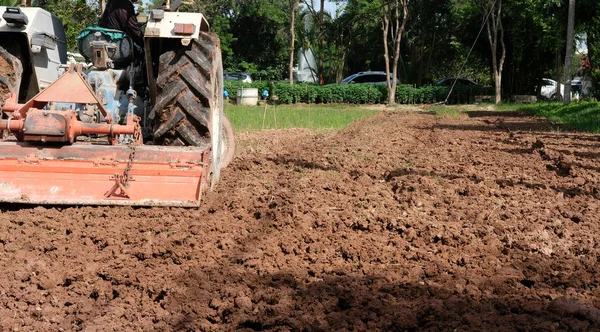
(61, 126)
(30, 122)
(71, 87)
(10, 104)
(184, 29)
(84, 174)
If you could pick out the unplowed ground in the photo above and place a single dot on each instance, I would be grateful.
(403, 221)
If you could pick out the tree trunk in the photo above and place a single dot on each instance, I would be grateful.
(431, 51)
(391, 11)
(386, 56)
(292, 38)
(498, 87)
(557, 75)
(592, 46)
(421, 63)
(400, 28)
(494, 26)
(497, 78)
(320, 63)
(569, 54)
(339, 75)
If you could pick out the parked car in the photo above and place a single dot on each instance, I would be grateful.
(449, 81)
(548, 89)
(237, 76)
(367, 77)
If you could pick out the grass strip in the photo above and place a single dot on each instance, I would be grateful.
(318, 118)
(583, 115)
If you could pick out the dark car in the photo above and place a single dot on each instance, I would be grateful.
(449, 81)
(367, 77)
(237, 76)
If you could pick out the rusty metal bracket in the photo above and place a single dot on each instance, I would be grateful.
(106, 161)
(205, 172)
(182, 166)
(118, 190)
(32, 159)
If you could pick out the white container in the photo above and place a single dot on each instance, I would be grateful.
(247, 96)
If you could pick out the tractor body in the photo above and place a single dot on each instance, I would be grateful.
(119, 129)
(40, 45)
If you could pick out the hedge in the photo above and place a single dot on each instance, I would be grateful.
(359, 93)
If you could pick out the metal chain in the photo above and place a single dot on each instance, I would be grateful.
(2, 131)
(136, 138)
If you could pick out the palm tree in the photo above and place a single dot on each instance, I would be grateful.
(10, 3)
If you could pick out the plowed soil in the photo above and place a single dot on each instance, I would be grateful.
(403, 221)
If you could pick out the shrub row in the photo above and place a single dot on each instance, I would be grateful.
(360, 93)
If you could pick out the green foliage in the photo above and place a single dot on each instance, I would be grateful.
(363, 42)
(360, 93)
(595, 91)
(147, 6)
(318, 118)
(309, 93)
(75, 15)
(254, 39)
(584, 115)
(10, 3)
(219, 14)
(257, 73)
(252, 33)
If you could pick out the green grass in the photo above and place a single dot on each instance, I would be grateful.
(322, 117)
(584, 115)
(442, 110)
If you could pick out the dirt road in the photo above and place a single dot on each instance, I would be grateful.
(403, 221)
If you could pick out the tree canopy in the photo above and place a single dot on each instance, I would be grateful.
(439, 36)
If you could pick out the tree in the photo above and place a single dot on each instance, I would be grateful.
(338, 33)
(588, 14)
(10, 3)
(426, 36)
(293, 8)
(569, 56)
(495, 33)
(75, 15)
(394, 28)
(219, 14)
(261, 46)
(147, 6)
(318, 17)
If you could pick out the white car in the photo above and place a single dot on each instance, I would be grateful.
(367, 77)
(549, 89)
(237, 76)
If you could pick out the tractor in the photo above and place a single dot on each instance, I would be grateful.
(115, 129)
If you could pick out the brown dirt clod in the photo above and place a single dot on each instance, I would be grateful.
(386, 225)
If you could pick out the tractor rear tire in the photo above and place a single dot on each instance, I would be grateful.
(228, 150)
(189, 86)
(11, 71)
